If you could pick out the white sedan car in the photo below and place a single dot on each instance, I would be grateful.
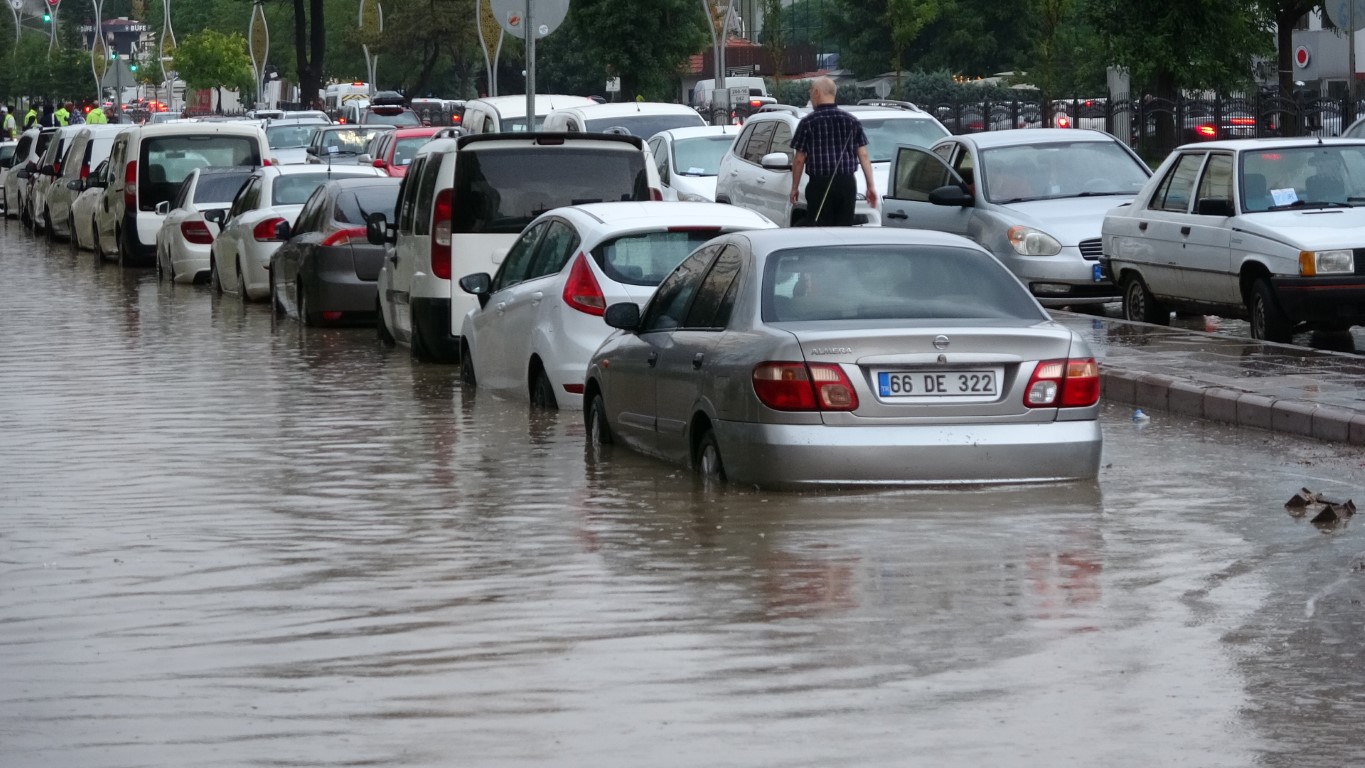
(689, 160)
(1271, 230)
(83, 208)
(260, 219)
(182, 245)
(539, 318)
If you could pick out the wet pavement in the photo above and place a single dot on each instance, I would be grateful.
(231, 541)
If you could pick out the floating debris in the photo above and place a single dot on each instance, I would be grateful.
(1328, 512)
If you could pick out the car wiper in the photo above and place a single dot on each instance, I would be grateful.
(1103, 194)
(1015, 200)
(1309, 204)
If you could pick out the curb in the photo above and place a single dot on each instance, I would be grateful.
(1185, 397)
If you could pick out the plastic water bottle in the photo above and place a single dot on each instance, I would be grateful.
(1139, 417)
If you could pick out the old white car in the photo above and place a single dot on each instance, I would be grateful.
(1270, 230)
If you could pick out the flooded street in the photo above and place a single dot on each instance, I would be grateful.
(229, 541)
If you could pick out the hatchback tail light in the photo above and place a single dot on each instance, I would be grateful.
(440, 234)
(581, 291)
(345, 237)
(1073, 383)
(264, 232)
(130, 186)
(85, 171)
(786, 386)
(196, 232)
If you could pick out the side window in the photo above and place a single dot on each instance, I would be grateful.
(426, 195)
(554, 250)
(1217, 180)
(669, 305)
(182, 196)
(487, 125)
(407, 195)
(310, 218)
(710, 310)
(1178, 186)
(966, 168)
(917, 174)
(244, 198)
(782, 141)
(759, 142)
(945, 151)
(660, 153)
(518, 258)
(742, 140)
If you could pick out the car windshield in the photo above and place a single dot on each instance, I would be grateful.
(406, 149)
(700, 156)
(1314, 176)
(892, 282)
(502, 190)
(643, 126)
(289, 136)
(355, 206)
(1058, 170)
(518, 124)
(294, 188)
(647, 258)
(887, 133)
(219, 187)
(347, 141)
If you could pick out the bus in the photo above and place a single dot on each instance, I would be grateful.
(337, 96)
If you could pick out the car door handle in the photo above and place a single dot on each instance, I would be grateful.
(501, 307)
(537, 296)
(897, 215)
(762, 180)
(1184, 230)
(652, 359)
(1142, 226)
(697, 360)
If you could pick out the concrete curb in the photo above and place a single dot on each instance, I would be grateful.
(1241, 408)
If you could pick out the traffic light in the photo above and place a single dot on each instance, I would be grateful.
(47, 18)
(132, 66)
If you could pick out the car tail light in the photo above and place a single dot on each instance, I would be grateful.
(1063, 121)
(331, 315)
(1242, 120)
(1206, 131)
(196, 232)
(85, 171)
(57, 168)
(130, 186)
(264, 232)
(1073, 383)
(656, 194)
(755, 103)
(345, 236)
(804, 387)
(440, 234)
(581, 291)
(265, 161)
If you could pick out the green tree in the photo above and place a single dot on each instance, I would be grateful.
(427, 46)
(644, 42)
(211, 59)
(775, 38)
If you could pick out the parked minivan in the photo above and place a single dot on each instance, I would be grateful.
(636, 118)
(148, 162)
(49, 170)
(464, 202)
(87, 150)
(504, 114)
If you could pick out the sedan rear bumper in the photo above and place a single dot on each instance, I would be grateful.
(788, 455)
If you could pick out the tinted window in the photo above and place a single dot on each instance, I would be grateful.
(669, 305)
(218, 187)
(502, 190)
(891, 282)
(759, 142)
(700, 157)
(407, 194)
(555, 248)
(518, 258)
(295, 188)
(1178, 186)
(644, 126)
(310, 218)
(167, 160)
(709, 309)
(355, 206)
(782, 140)
(646, 259)
(426, 196)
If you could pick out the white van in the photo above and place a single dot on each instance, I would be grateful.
(464, 202)
(49, 170)
(88, 149)
(147, 164)
(499, 114)
(634, 118)
(704, 93)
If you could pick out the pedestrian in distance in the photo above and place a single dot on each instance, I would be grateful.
(96, 116)
(74, 114)
(62, 115)
(830, 145)
(48, 119)
(31, 117)
(9, 126)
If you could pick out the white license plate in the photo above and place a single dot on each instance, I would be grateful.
(894, 385)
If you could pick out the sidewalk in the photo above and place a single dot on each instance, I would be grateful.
(1281, 388)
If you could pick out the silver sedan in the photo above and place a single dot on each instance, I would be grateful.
(843, 357)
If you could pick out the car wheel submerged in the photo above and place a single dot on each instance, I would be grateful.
(595, 420)
(542, 392)
(467, 367)
(1140, 305)
(215, 280)
(1268, 321)
(708, 462)
(381, 327)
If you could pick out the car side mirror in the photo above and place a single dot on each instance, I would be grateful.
(48, 170)
(1214, 206)
(163, 208)
(952, 194)
(377, 230)
(311, 150)
(625, 316)
(282, 230)
(31, 167)
(365, 159)
(379, 163)
(479, 284)
(23, 173)
(776, 161)
(216, 216)
(76, 185)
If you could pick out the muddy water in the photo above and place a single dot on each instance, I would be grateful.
(226, 541)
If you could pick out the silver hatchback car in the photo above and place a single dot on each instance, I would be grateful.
(847, 356)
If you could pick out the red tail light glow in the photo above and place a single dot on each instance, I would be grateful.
(1073, 383)
(85, 171)
(197, 232)
(1206, 131)
(1063, 121)
(440, 234)
(656, 194)
(130, 186)
(345, 236)
(804, 387)
(581, 291)
(264, 232)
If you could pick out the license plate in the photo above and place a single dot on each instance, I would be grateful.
(977, 384)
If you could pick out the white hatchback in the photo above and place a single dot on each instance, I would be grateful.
(688, 160)
(539, 318)
(186, 237)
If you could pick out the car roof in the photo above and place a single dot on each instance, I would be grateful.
(768, 240)
(314, 168)
(631, 215)
(365, 181)
(301, 120)
(621, 109)
(700, 130)
(149, 130)
(1013, 137)
(222, 170)
(407, 133)
(1243, 145)
(515, 106)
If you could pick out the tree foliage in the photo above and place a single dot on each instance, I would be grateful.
(212, 59)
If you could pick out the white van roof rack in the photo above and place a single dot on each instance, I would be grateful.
(894, 104)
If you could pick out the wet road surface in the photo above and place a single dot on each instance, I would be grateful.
(229, 541)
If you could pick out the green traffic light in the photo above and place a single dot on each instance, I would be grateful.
(47, 17)
(132, 67)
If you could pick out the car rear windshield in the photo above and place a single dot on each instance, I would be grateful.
(503, 189)
(892, 282)
(700, 156)
(405, 149)
(294, 188)
(399, 117)
(648, 257)
(1060, 169)
(219, 187)
(643, 126)
(355, 206)
(166, 160)
(289, 136)
(348, 141)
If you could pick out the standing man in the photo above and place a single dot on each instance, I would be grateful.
(96, 116)
(830, 144)
(31, 117)
(62, 115)
(73, 113)
(10, 127)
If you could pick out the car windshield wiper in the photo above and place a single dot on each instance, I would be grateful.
(1103, 194)
(1310, 204)
(1013, 200)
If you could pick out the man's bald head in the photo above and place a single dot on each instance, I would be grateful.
(822, 90)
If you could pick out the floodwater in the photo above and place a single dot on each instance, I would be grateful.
(230, 541)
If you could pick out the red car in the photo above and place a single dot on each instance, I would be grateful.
(394, 150)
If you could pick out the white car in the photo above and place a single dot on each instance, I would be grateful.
(186, 236)
(636, 118)
(85, 206)
(756, 172)
(49, 174)
(539, 318)
(289, 138)
(20, 176)
(688, 160)
(506, 114)
(89, 148)
(259, 220)
(22, 154)
(1271, 230)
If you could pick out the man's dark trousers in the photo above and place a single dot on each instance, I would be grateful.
(838, 205)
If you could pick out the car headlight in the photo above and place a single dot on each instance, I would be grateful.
(688, 197)
(1028, 241)
(1340, 262)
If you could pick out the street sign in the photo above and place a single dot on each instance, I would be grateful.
(614, 85)
(1343, 15)
(547, 15)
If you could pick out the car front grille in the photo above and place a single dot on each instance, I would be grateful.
(1091, 249)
